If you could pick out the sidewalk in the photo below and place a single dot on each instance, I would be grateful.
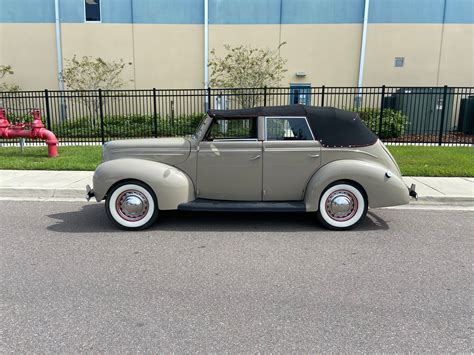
(44, 184)
(70, 185)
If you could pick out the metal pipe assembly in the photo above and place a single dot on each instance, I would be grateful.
(34, 130)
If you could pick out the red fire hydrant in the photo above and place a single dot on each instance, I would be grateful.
(34, 130)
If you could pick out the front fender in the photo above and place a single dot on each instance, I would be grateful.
(381, 191)
(170, 184)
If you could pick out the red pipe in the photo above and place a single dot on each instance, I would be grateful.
(35, 130)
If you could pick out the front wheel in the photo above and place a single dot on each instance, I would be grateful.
(342, 206)
(131, 205)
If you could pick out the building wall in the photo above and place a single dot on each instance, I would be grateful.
(31, 50)
(427, 63)
(164, 39)
(330, 54)
(457, 57)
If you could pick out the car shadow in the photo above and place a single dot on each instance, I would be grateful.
(93, 219)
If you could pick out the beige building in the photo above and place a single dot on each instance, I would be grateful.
(407, 42)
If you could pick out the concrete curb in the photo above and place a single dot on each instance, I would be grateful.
(42, 193)
(443, 200)
(78, 194)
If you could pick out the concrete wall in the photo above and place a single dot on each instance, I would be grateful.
(31, 50)
(435, 55)
(328, 54)
(166, 56)
(457, 57)
(164, 39)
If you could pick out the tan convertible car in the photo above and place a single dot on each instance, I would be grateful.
(283, 159)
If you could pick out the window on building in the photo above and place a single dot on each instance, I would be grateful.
(288, 129)
(92, 10)
(399, 62)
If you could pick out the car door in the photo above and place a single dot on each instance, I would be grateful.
(291, 155)
(230, 161)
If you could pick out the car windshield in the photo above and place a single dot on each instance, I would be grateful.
(199, 128)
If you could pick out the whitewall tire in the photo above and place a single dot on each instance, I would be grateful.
(342, 205)
(131, 205)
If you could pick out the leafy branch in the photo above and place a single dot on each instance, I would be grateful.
(246, 67)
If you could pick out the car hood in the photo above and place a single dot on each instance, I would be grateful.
(165, 150)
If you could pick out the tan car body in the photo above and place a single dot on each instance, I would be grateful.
(180, 170)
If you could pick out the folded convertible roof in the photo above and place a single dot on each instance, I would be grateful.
(331, 126)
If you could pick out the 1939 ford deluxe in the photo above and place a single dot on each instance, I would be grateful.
(286, 158)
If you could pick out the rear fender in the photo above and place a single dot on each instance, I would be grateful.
(171, 186)
(380, 189)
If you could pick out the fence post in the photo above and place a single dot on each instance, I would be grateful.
(208, 98)
(443, 113)
(155, 115)
(382, 106)
(265, 96)
(48, 110)
(101, 114)
(322, 95)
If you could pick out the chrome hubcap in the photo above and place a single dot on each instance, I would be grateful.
(132, 205)
(341, 205)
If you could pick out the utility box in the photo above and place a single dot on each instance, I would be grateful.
(424, 108)
(466, 116)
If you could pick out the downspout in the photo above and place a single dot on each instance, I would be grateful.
(281, 21)
(441, 45)
(132, 20)
(206, 51)
(362, 52)
(59, 59)
(59, 49)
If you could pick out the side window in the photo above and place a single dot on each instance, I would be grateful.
(233, 129)
(92, 10)
(288, 129)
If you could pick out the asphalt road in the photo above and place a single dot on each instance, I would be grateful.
(70, 282)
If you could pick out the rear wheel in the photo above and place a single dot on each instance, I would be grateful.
(343, 205)
(131, 205)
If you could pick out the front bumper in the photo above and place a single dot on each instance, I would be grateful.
(89, 193)
(412, 192)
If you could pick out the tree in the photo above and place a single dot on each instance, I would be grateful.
(246, 67)
(92, 74)
(4, 71)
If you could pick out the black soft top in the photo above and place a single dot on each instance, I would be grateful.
(331, 126)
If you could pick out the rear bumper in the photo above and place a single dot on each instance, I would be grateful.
(412, 192)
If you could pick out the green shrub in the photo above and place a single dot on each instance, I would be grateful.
(393, 122)
(16, 117)
(179, 126)
(128, 126)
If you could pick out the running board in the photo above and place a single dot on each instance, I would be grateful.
(242, 206)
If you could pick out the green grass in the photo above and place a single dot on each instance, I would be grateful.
(413, 160)
(434, 161)
(36, 158)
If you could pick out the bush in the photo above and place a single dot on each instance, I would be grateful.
(17, 117)
(393, 122)
(128, 126)
(179, 126)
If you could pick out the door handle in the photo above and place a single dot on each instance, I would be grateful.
(313, 155)
(256, 157)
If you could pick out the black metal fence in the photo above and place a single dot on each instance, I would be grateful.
(399, 115)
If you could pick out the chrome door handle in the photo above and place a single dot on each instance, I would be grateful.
(313, 155)
(256, 157)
